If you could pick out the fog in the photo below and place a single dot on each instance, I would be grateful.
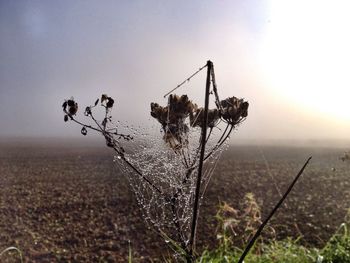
(136, 51)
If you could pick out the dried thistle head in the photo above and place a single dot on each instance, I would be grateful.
(197, 118)
(234, 110)
(160, 113)
(172, 118)
(180, 107)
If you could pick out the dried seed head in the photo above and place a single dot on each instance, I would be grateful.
(110, 102)
(234, 110)
(160, 113)
(180, 107)
(70, 107)
(172, 118)
(198, 118)
(106, 101)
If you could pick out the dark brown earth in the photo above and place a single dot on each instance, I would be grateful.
(69, 203)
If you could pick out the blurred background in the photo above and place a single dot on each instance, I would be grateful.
(289, 59)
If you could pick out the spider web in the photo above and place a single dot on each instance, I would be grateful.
(168, 206)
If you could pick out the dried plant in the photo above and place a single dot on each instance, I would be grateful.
(180, 119)
(168, 176)
(111, 134)
(238, 225)
(170, 179)
(172, 118)
(234, 110)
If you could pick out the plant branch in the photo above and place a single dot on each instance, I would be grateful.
(218, 145)
(109, 138)
(260, 229)
(136, 170)
(201, 160)
(84, 125)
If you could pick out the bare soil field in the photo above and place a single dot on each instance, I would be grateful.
(70, 203)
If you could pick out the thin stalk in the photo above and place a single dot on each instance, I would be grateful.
(196, 154)
(137, 171)
(184, 181)
(223, 134)
(187, 176)
(217, 100)
(106, 134)
(258, 232)
(210, 131)
(201, 160)
(210, 173)
(80, 123)
(218, 145)
(98, 125)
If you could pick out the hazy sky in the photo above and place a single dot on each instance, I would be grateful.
(289, 59)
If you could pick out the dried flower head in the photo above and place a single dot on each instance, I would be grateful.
(107, 101)
(180, 107)
(234, 110)
(160, 113)
(198, 118)
(172, 118)
(70, 107)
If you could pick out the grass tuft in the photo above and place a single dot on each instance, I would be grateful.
(337, 250)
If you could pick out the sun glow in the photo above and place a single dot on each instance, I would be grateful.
(305, 55)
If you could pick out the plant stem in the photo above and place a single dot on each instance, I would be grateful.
(218, 145)
(258, 232)
(108, 136)
(201, 160)
(137, 171)
(217, 100)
